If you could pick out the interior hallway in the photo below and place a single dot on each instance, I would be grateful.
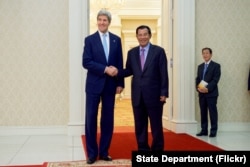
(36, 149)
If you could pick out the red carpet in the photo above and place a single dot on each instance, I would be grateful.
(123, 143)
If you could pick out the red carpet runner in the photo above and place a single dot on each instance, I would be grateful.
(123, 143)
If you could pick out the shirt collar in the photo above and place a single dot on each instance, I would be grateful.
(101, 33)
(208, 62)
(146, 47)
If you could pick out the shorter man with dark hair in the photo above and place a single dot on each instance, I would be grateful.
(208, 76)
(147, 63)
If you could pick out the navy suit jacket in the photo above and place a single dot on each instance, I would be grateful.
(212, 77)
(94, 61)
(152, 82)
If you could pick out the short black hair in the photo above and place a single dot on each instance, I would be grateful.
(143, 27)
(209, 49)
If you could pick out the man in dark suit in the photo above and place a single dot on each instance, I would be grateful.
(208, 76)
(149, 88)
(102, 49)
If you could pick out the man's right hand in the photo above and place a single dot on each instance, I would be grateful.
(111, 71)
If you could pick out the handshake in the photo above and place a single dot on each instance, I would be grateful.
(111, 71)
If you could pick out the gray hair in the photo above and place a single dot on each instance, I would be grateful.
(105, 13)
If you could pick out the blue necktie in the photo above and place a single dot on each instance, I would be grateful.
(105, 46)
(204, 71)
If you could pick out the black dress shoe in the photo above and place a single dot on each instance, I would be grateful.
(90, 161)
(212, 135)
(106, 158)
(201, 134)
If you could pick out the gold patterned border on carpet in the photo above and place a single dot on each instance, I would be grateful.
(99, 163)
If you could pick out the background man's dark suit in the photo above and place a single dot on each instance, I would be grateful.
(147, 87)
(208, 101)
(100, 86)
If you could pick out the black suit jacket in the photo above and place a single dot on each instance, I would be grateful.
(152, 82)
(212, 77)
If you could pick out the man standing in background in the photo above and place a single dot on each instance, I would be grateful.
(208, 76)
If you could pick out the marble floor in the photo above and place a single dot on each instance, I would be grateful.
(35, 150)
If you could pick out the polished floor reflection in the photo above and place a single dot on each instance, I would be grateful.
(30, 150)
(229, 141)
(37, 149)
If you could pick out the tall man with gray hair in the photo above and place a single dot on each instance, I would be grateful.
(101, 50)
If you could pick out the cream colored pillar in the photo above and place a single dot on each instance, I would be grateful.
(78, 29)
(165, 41)
(181, 118)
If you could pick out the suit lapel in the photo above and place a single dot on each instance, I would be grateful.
(112, 45)
(99, 43)
(149, 57)
(210, 66)
(137, 57)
